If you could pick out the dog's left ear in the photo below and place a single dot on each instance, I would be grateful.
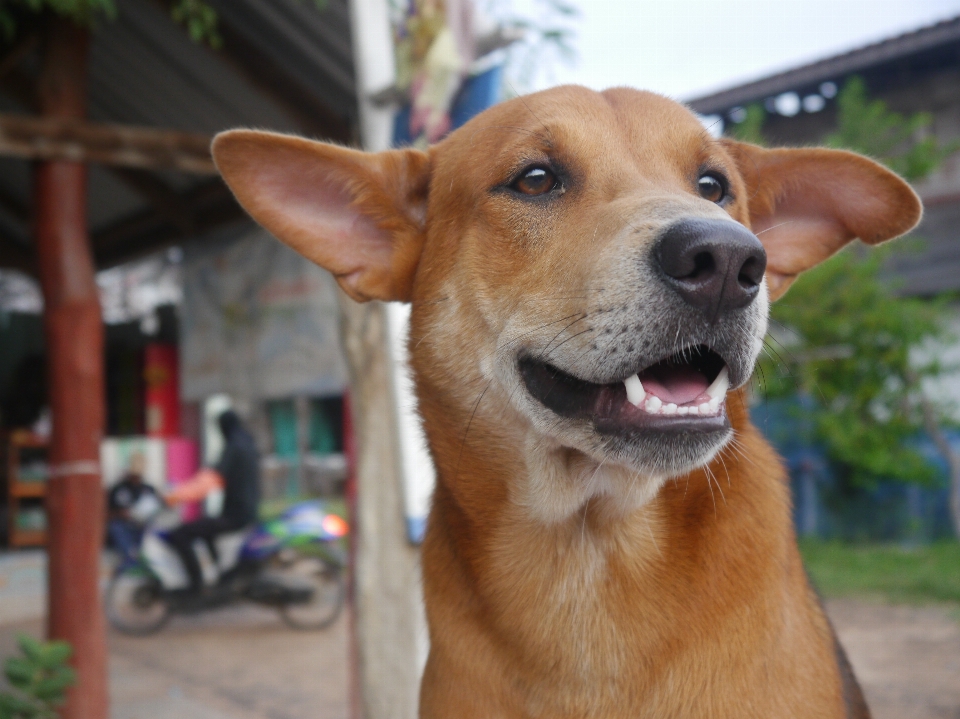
(805, 204)
(360, 215)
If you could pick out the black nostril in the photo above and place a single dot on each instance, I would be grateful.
(714, 265)
(751, 274)
(703, 264)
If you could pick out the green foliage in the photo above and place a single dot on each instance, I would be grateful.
(751, 128)
(201, 22)
(902, 143)
(929, 573)
(197, 16)
(39, 678)
(844, 339)
(82, 12)
(851, 349)
(199, 19)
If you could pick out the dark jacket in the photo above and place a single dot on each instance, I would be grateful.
(239, 466)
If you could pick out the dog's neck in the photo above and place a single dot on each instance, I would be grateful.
(619, 570)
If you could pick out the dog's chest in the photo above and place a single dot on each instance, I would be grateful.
(573, 603)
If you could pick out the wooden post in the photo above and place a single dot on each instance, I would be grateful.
(391, 631)
(74, 336)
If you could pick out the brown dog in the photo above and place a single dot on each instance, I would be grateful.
(610, 537)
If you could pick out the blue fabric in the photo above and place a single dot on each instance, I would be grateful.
(125, 537)
(476, 95)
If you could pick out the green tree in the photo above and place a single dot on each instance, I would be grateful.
(843, 337)
(905, 144)
(750, 128)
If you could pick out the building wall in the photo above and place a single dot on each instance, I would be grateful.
(258, 321)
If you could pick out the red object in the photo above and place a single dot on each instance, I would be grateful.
(182, 464)
(162, 379)
(353, 647)
(74, 336)
(197, 488)
(335, 526)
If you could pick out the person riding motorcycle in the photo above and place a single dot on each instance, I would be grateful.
(239, 472)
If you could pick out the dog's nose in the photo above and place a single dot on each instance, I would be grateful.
(714, 265)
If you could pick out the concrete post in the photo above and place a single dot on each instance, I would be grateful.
(390, 624)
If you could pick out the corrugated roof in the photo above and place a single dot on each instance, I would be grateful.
(284, 65)
(942, 34)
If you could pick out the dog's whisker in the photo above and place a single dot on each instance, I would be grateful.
(713, 477)
(781, 224)
(712, 497)
(783, 347)
(571, 337)
(725, 469)
(506, 346)
(579, 319)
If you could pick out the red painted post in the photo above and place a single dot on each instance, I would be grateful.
(74, 336)
(353, 649)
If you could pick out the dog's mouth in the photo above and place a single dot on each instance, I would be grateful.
(681, 393)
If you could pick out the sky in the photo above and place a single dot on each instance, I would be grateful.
(688, 48)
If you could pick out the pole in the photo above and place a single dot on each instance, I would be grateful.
(390, 630)
(74, 337)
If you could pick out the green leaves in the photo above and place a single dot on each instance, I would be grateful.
(199, 19)
(853, 346)
(750, 129)
(844, 338)
(83, 12)
(40, 679)
(902, 143)
(197, 16)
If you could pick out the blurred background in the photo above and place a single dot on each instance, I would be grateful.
(203, 312)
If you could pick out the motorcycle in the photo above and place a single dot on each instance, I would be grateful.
(293, 563)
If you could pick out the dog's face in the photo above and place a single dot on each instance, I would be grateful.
(616, 293)
(595, 262)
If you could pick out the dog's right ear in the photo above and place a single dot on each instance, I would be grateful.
(360, 215)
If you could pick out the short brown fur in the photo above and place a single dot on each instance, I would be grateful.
(654, 596)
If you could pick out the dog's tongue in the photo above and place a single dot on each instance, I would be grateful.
(674, 383)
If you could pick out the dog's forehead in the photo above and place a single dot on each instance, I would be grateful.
(574, 121)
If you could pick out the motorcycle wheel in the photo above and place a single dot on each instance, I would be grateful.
(136, 603)
(329, 591)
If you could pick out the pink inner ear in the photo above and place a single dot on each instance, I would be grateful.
(797, 243)
(308, 207)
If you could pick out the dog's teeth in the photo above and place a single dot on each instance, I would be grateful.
(718, 389)
(705, 409)
(670, 408)
(635, 391)
(714, 406)
(693, 410)
(683, 410)
(653, 404)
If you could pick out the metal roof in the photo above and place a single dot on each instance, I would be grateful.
(878, 56)
(284, 65)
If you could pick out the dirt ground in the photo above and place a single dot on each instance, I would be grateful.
(906, 658)
(236, 663)
(242, 663)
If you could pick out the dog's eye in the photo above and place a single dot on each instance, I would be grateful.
(711, 188)
(535, 181)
